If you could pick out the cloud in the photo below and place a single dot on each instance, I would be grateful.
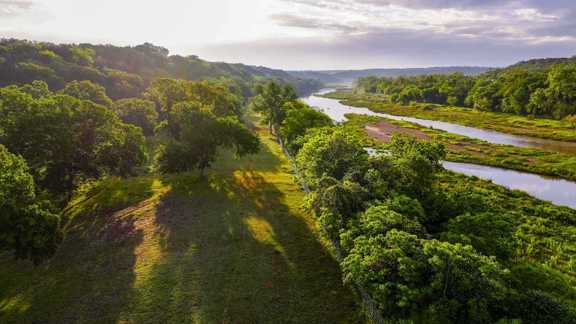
(421, 4)
(390, 48)
(11, 8)
(312, 23)
(528, 20)
(371, 33)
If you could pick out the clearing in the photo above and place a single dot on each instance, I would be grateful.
(233, 247)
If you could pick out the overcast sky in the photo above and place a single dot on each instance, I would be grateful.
(311, 34)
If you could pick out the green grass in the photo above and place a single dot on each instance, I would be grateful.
(233, 247)
(506, 123)
(465, 149)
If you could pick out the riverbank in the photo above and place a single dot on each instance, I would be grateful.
(512, 124)
(377, 130)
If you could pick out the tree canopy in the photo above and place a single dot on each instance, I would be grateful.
(521, 89)
(27, 226)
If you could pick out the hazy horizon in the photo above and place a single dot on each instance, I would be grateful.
(311, 35)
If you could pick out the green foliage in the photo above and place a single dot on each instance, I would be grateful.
(37, 89)
(166, 93)
(431, 246)
(519, 90)
(489, 233)
(414, 164)
(298, 120)
(87, 90)
(196, 133)
(27, 227)
(535, 306)
(270, 100)
(572, 120)
(330, 154)
(438, 88)
(65, 140)
(138, 112)
(507, 123)
(124, 71)
(448, 282)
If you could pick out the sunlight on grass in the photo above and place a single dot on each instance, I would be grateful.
(15, 305)
(262, 231)
(234, 246)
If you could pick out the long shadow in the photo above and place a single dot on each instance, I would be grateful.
(88, 280)
(236, 252)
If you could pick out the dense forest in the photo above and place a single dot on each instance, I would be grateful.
(429, 246)
(125, 71)
(543, 88)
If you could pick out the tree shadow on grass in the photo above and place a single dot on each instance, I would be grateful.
(265, 159)
(236, 250)
(90, 277)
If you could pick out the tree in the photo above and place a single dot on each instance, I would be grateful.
(215, 94)
(196, 134)
(409, 94)
(87, 90)
(517, 87)
(138, 112)
(37, 89)
(427, 279)
(27, 228)
(414, 165)
(299, 118)
(65, 140)
(540, 104)
(168, 92)
(489, 233)
(165, 93)
(332, 153)
(562, 90)
(270, 100)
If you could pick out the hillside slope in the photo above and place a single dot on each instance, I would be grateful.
(542, 64)
(233, 247)
(123, 71)
(346, 77)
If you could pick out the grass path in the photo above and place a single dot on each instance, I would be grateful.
(235, 247)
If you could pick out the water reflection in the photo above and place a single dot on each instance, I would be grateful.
(337, 112)
(557, 191)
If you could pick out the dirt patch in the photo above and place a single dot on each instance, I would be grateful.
(383, 131)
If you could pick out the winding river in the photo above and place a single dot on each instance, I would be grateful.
(557, 191)
(338, 110)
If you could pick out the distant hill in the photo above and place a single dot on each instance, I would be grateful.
(543, 63)
(348, 76)
(124, 71)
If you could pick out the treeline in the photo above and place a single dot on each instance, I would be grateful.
(523, 90)
(428, 245)
(125, 71)
(53, 142)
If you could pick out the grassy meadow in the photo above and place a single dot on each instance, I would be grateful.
(232, 247)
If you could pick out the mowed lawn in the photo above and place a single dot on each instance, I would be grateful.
(233, 247)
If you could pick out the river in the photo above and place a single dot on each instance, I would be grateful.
(338, 110)
(557, 191)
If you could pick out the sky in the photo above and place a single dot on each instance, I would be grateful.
(311, 34)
